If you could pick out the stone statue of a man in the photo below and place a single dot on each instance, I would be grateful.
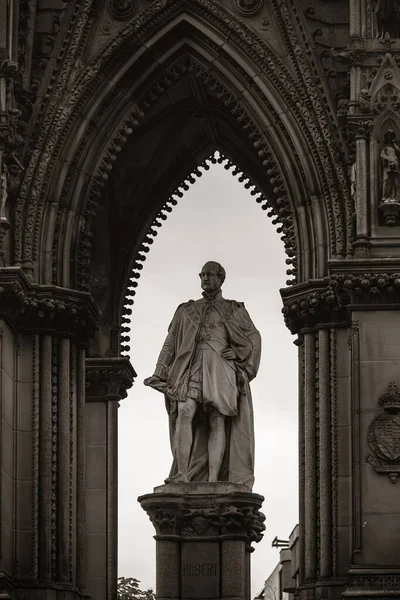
(390, 168)
(211, 353)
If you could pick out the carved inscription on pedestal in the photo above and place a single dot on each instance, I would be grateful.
(200, 570)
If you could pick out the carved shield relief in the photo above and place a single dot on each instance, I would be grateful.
(384, 435)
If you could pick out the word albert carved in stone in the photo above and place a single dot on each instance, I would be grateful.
(384, 435)
(200, 569)
(390, 179)
(210, 355)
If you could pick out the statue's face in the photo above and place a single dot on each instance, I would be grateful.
(210, 279)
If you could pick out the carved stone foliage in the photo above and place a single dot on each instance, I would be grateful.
(199, 515)
(108, 378)
(384, 435)
(33, 308)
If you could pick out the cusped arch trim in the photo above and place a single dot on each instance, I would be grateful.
(144, 245)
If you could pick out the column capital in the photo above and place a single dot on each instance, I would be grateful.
(32, 308)
(312, 304)
(108, 378)
(207, 510)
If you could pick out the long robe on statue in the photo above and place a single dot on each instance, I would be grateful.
(190, 365)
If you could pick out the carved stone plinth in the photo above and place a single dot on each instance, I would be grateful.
(204, 533)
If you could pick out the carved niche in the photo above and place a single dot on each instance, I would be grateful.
(384, 435)
(387, 18)
(389, 175)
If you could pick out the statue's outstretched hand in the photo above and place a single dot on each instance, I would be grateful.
(228, 354)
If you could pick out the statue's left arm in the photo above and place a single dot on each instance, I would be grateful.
(251, 361)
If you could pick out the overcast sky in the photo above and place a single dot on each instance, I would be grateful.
(217, 219)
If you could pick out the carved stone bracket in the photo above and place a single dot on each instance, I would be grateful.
(198, 515)
(108, 378)
(34, 308)
(384, 435)
(312, 304)
(360, 128)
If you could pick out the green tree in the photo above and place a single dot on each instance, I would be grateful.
(128, 589)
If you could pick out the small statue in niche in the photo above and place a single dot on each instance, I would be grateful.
(387, 18)
(390, 168)
(390, 179)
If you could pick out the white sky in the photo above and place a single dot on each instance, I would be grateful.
(217, 219)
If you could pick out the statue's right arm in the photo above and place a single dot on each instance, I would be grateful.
(167, 353)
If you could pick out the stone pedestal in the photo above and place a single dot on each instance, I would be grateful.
(204, 533)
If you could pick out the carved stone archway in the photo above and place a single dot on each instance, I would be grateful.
(89, 153)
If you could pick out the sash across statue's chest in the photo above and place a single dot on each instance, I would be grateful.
(209, 317)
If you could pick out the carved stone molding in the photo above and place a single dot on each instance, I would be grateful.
(200, 515)
(34, 308)
(108, 378)
(374, 579)
(326, 301)
(367, 288)
(384, 435)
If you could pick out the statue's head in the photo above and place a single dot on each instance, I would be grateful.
(212, 276)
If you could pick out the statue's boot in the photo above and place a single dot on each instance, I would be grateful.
(178, 478)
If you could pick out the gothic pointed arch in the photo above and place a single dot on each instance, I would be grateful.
(291, 152)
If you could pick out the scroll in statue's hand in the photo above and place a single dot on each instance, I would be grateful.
(156, 383)
(228, 354)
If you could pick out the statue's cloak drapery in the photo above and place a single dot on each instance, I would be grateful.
(176, 357)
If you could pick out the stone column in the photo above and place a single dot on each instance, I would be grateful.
(203, 537)
(108, 380)
(322, 324)
(363, 129)
(310, 478)
(325, 462)
(43, 333)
